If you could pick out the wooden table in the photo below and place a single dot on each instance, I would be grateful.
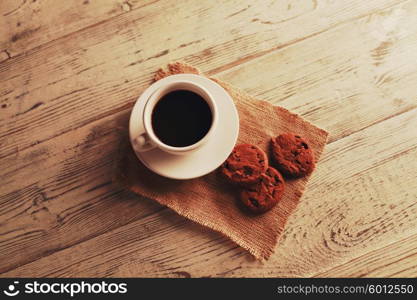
(70, 73)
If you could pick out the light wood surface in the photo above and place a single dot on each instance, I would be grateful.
(70, 74)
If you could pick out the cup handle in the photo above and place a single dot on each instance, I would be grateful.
(142, 143)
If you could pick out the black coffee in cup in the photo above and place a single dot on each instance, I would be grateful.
(181, 118)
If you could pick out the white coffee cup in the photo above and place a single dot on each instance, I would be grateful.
(147, 139)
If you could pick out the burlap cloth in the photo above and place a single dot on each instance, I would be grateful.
(209, 200)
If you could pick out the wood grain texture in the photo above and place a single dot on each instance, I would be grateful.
(370, 82)
(347, 66)
(164, 243)
(394, 260)
(71, 82)
(30, 23)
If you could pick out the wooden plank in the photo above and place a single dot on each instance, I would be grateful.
(317, 84)
(371, 203)
(71, 202)
(394, 260)
(71, 82)
(27, 24)
(363, 72)
(76, 186)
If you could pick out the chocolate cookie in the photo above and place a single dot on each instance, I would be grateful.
(292, 155)
(265, 194)
(245, 164)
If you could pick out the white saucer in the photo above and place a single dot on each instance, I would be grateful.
(210, 155)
